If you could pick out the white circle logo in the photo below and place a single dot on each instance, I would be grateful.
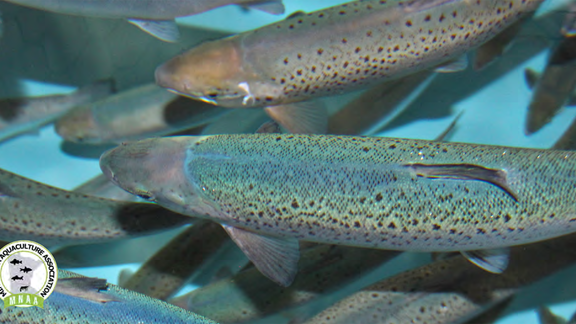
(28, 274)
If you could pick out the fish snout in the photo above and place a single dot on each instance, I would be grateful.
(166, 75)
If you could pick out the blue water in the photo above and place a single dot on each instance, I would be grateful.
(494, 114)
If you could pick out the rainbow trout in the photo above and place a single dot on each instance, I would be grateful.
(79, 299)
(448, 291)
(138, 113)
(34, 211)
(245, 297)
(335, 50)
(554, 88)
(25, 115)
(152, 16)
(271, 190)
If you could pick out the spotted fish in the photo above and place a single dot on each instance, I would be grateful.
(554, 88)
(78, 299)
(448, 291)
(271, 190)
(51, 216)
(246, 298)
(138, 113)
(336, 50)
(27, 115)
(152, 16)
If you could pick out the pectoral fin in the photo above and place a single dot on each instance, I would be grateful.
(276, 258)
(464, 172)
(457, 65)
(275, 7)
(85, 288)
(165, 30)
(493, 260)
(301, 118)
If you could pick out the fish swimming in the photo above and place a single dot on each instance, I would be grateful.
(554, 87)
(271, 190)
(78, 299)
(51, 216)
(246, 298)
(17, 278)
(142, 112)
(25, 269)
(152, 16)
(173, 265)
(25, 115)
(16, 261)
(448, 291)
(335, 50)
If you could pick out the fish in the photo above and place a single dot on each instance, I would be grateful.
(51, 216)
(92, 300)
(271, 190)
(448, 291)
(153, 17)
(138, 113)
(497, 46)
(377, 107)
(25, 269)
(554, 87)
(27, 115)
(17, 278)
(245, 297)
(281, 66)
(16, 261)
(174, 264)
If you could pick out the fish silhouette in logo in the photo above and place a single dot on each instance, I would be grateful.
(25, 269)
(17, 278)
(24, 288)
(16, 261)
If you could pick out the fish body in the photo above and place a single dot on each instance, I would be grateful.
(335, 50)
(270, 190)
(74, 302)
(25, 115)
(448, 291)
(152, 16)
(143, 9)
(138, 113)
(555, 86)
(246, 298)
(358, 191)
(34, 211)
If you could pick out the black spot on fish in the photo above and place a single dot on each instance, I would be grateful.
(392, 225)
(10, 108)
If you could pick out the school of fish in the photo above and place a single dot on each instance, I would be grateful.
(250, 162)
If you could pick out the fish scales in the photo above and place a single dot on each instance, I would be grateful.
(357, 191)
(338, 49)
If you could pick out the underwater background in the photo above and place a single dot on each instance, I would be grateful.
(43, 53)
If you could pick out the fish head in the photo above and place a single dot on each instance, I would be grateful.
(78, 126)
(213, 72)
(154, 169)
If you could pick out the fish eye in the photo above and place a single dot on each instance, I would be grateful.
(145, 195)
